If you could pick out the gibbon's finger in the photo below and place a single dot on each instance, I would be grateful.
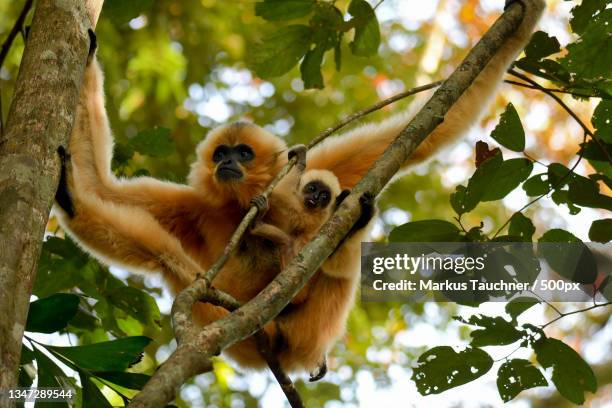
(298, 151)
(261, 203)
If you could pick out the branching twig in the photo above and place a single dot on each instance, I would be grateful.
(565, 107)
(563, 91)
(562, 315)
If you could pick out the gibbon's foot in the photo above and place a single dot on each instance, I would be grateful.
(62, 195)
(93, 44)
(261, 203)
(510, 2)
(343, 194)
(367, 211)
(298, 151)
(319, 372)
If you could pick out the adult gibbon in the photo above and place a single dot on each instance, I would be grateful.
(179, 230)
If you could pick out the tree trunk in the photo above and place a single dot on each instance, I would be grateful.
(40, 120)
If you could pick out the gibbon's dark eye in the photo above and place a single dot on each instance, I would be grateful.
(324, 197)
(245, 153)
(311, 188)
(220, 153)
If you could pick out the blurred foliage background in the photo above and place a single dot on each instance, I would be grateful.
(176, 69)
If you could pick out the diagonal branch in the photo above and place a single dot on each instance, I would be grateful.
(251, 317)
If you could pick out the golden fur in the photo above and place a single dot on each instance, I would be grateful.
(178, 230)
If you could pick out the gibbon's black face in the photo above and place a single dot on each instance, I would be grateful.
(229, 161)
(316, 195)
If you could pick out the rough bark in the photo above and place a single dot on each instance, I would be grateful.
(249, 318)
(40, 120)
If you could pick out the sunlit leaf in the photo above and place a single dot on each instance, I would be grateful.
(517, 375)
(277, 53)
(367, 31)
(276, 10)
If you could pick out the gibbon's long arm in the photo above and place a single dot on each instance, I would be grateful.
(350, 155)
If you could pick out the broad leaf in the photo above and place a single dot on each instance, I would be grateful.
(517, 375)
(542, 45)
(51, 314)
(441, 368)
(521, 226)
(133, 381)
(520, 304)
(509, 131)
(426, 231)
(367, 31)
(116, 355)
(536, 185)
(602, 120)
(601, 231)
(496, 331)
(278, 10)
(277, 53)
(570, 373)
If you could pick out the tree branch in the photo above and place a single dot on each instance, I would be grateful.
(40, 119)
(251, 317)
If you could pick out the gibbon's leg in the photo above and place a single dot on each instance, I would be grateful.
(350, 155)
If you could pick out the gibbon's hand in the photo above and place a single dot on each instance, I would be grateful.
(261, 203)
(93, 45)
(366, 201)
(340, 198)
(62, 195)
(298, 151)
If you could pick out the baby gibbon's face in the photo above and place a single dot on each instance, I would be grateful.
(317, 195)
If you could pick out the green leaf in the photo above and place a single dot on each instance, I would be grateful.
(133, 381)
(494, 179)
(584, 13)
(496, 331)
(367, 31)
(509, 131)
(92, 396)
(116, 355)
(520, 304)
(50, 376)
(575, 262)
(570, 373)
(279, 52)
(311, 68)
(585, 192)
(121, 11)
(536, 185)
(457, 200)
(558, 235)
(156, 142)
(52, 314)
(601, 231)
(521, 226)
(441, 368)
(590, 58)
(426, 231)
(542, 45)
(277, 10)
(137, 304)
(509, 175)
(602, 121)
(517, 375)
